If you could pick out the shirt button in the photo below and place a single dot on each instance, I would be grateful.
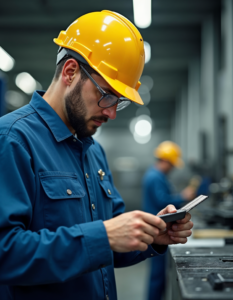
(109, 192)
(87, 175)
(93, 206)
(152, 254)
(74, 140)
(107, 298)
(69, 192)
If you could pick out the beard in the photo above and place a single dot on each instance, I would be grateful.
(76, 112)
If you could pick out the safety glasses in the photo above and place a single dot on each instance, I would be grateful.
(108, 100)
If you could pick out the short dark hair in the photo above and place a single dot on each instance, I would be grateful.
(84, 77)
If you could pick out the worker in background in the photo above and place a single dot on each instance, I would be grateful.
(157, 193)
(62, 223)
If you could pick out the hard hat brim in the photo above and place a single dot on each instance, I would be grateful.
(122, 88)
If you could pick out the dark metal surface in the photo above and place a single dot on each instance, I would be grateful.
(191, 251)
(189, 269)
(193, 284)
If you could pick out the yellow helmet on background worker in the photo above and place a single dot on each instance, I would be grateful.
(111, 45)
(171, 152)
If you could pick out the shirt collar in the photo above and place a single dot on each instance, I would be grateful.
(52, 119)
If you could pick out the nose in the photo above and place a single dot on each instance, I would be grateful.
(110, 112)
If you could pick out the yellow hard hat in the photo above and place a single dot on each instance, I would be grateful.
(171, 152)
(112, 46)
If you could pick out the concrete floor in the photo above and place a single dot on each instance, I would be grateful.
(132, 281)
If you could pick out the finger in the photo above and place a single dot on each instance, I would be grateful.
(142, 247)
(185, 220)
(167, 210)
(181, 227)
(137, 244)
(154, 221)
(151, 230)
(182, 234)
(147, 239)
(178, 240)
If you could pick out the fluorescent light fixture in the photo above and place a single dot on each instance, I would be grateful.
(26, 82)
(142, 139)
(147, 49)
(142, 13)
(143, 128)
(135, 121)
(6, 61)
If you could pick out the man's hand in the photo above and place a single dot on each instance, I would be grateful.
(133, 231)
(189, 193)
(174, 233)
(136, 230)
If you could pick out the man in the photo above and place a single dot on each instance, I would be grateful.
(63, 228)
(157, 193)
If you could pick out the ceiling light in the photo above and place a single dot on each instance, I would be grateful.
(147, 49)
(143, 128)
(134, 121)
(142, 13)
(6, 61)
(26, 82)
(142, 139)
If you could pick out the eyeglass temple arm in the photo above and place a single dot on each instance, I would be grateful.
(99, 88)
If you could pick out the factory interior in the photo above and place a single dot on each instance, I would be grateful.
(187, 90)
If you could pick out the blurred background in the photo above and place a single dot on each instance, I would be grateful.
(187, 88)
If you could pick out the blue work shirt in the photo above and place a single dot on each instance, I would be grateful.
(53, 243)
(157, 192)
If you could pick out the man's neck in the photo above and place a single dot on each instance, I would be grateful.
(54, 96)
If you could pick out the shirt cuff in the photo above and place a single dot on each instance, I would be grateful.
(97, 244)
(154, 250)
(160, 249)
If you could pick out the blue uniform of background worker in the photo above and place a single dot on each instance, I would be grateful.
(157, 193)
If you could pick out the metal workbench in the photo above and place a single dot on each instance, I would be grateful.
(188, 269)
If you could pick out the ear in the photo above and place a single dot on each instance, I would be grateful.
(69, 71)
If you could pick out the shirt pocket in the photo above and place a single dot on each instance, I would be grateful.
(107, 192)
(62, 199)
